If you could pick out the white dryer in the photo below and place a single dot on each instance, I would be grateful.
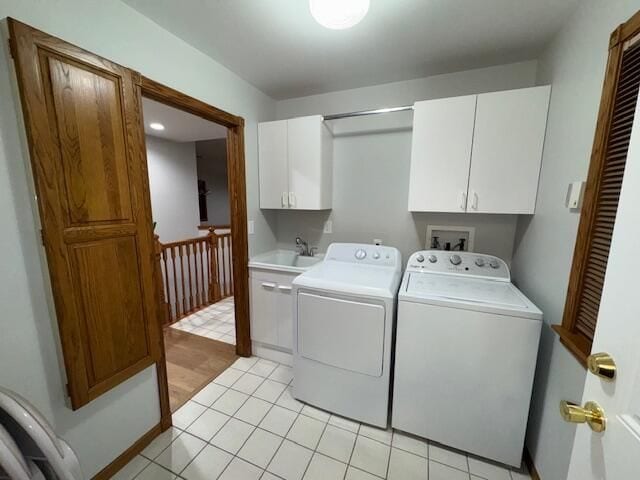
(344, 310)
(466, 349)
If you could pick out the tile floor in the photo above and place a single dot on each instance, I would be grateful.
(217, 321)
(245, 425)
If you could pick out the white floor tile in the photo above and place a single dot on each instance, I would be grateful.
(286, 400)
(325, 468)
(248, 383)
(253, 411)
(260, 448)
(244, 363)
(306, 431)
(371, 456)
(337, 443)
(269, 476)
(438, 471)
(186, 414)
(155, 472)
(232, 436)
(448, 457)
(228, 339)
(383, 436)
(161, 442)
(131, 469)
(316, 413)
(270, 390)
(228, 377)
(263, 367)
(238, 469)
(406, 466)
(355, 474)
(278, 420)
(410, 443)
(230, 402)
(282, 374)
(209, 394)
(345, 423)
(208, 424)
(181, 451)
(487, 470)
(210, 463)
(290, 461)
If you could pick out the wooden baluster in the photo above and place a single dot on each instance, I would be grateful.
(214, 284)
(184, 293)
(202, 267)
(189, 247)
(196, 249)
(175, 284)
(159, 283)
(165, 262)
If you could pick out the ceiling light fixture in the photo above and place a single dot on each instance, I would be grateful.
(156, 126)
(338, 14)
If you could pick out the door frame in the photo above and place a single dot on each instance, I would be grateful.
(236, 179)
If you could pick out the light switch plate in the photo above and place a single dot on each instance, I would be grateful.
(574, 195)
(250, 227)
(328, 227)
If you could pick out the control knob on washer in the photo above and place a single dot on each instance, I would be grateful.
(420, 258)
(455, 259)
(360, 254)
(433, 258)
(494, 263)
(480, 262)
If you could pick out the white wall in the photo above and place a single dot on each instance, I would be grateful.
(29, 342)
(173, 183)
(212, 168)
(574, 63)
(371, 166)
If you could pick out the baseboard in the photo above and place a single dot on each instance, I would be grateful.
(110, 470)
(528, 461)
(273, 354)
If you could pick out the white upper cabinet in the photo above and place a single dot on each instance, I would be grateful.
(295, 164)
(507, 150)
(479, 153)
(441, 154)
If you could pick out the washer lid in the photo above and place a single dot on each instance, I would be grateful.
(470, 293)
(351, 278)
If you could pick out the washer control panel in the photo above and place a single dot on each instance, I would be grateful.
(459, 263)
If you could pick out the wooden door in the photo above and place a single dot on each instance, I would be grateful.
(440, 154)
(507, 150)
(273, 167)
(83, 123)
(307, 163)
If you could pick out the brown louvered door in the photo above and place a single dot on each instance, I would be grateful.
(601, 198)
(83, 122)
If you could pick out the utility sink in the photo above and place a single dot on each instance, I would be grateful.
(285, 260)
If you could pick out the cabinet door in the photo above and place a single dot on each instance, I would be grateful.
(440, 154)
(507, 150)
(273, 165)
(264, 297)
(285, 316)
(309, 163)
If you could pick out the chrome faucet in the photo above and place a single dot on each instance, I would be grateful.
(303, 248)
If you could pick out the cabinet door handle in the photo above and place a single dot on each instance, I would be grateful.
(463, 203)
(474, 205)
(292, 199)
(285, 199)
(284, 288)
(268, 285)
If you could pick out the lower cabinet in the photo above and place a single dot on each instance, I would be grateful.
(271, 308)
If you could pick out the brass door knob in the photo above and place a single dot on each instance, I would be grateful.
(602, 365)
(592, 414)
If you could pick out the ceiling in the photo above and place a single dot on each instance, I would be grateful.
(179, 126)
(277, 46)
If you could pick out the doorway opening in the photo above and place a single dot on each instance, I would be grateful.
(195, 176)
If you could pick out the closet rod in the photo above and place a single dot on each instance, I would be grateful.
(337, 116)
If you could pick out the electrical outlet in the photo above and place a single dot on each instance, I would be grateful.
(328, 226)
(250, 227)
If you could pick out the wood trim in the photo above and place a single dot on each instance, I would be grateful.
(528, 461)
(578, 344)
(167, 95)
(125, 457)
(236, 178)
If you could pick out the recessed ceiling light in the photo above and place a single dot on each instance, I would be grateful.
(156, 126)
(338, 14)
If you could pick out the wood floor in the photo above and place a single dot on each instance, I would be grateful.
(192, 362)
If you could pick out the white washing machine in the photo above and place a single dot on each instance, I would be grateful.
(344, 310)
(466, 349)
